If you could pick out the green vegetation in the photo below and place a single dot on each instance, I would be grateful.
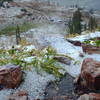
(42, 60)
(92, 25)
(94, 42)
(11, 30)
(98, 28)
(74, 25)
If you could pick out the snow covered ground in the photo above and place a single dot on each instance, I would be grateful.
(59, 43)
(38, 38)
(44, 36)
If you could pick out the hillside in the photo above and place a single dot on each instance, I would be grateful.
(49, 51)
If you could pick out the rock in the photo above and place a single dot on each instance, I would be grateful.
(62, 59)
(21, 95)
(81, 55)
(10, 76)
(90, 96)
(76, 43)
(90, 75)
(63, 87)
(90, 49)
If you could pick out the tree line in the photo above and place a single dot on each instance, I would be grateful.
(75, 23)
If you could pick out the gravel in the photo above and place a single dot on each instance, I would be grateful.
(34, 83)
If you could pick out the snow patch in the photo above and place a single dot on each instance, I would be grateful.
(81, 38)
(29, 48)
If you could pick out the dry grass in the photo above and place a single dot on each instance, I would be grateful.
(71, 35)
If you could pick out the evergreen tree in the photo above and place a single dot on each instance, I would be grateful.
(85, 27)
(18, 38)
(70, 27)
(75, 24)
(92, 25)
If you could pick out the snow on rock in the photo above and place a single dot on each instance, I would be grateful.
(63, 47)
(12, 11)
(86, 36)
(29, 48)
(17, 46)
(94, 56)
(28, 59)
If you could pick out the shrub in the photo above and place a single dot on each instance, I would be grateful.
(42, 61)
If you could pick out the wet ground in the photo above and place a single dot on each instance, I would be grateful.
(63, 89)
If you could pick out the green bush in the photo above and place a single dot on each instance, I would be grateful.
(93, 42)
(42, 61)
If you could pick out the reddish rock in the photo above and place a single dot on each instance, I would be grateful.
(90, 75)
(90, 49)
(10, 76)
(76, 43)
(90, 96)
(21, 95)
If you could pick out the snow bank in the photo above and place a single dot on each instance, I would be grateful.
(86, 36)
(94, 56)
(63, 47)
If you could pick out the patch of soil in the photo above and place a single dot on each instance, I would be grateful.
(64, 87)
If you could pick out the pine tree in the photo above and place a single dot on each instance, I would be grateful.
(77, 21)
(70, 27)
(75, 24)
(18, 38)
(85, 27)
(92, 25)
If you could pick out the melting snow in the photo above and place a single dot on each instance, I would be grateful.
(86, 36)
(29, 48)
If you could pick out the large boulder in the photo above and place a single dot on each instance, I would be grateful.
(89, 77)
(90, 96)
(10, 76)
(90, 49)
